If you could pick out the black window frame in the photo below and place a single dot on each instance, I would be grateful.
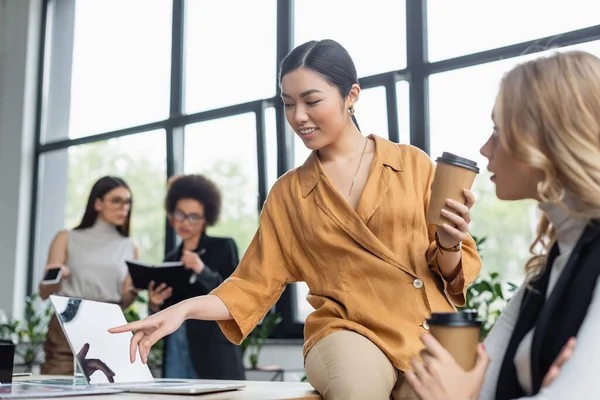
(416, 73)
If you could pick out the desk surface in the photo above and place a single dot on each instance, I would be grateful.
(253, 391)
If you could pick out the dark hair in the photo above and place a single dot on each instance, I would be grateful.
(99, 190)
(196, 187)
(329, 59)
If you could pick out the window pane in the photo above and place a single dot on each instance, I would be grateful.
(403, 111)
(301, 152)
(271, 132)
(225, 151)
(461, 103)
(230, 53)
(452, 24)
(67, 176)
(121, 65)
(371, 112)
(303, 308)
(379, 21)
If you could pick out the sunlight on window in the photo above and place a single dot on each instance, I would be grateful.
(230, 53)
(374, 32)
(67, 176)
(461, 27)
(121, 65)
(371, 112)
(403, 111)
(225, 151)
(271, 144)
(461, 103)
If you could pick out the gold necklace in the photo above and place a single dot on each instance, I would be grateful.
(358, 168)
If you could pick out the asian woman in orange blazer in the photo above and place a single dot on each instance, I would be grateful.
(350, 223)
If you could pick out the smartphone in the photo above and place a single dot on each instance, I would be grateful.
(53, 275)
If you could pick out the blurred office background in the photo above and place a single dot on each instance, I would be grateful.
(145, 89)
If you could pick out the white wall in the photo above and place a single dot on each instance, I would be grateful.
(20, 22)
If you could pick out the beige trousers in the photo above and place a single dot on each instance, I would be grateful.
(346, 365)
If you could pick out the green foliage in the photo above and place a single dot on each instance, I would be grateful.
(488, 295)
(30, 333)
(507, 226)
(145, 176)
(256, 339)
(239, 214)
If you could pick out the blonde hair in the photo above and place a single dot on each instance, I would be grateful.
(548, 110)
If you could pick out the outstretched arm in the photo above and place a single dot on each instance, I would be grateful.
(150, 330)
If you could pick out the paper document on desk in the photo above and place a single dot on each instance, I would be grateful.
(19, 390)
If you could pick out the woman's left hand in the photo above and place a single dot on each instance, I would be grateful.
(450, 236)
(439, 377)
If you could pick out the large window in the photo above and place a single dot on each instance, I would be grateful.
(146, 89)
(121, 67)
(67, 176)
(467, 26)
(462, 127)
(230, 53)
(374, 32)
(225, 150)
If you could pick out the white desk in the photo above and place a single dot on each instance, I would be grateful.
(253, 391)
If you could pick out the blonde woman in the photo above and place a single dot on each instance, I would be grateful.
(547, 131)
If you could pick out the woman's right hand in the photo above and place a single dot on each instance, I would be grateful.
(563, 357)
(150, 330)
(64, 269)
(157, 295)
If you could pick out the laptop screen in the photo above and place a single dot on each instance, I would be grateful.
(102, 357)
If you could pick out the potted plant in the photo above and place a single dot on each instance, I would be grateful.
(488, 296)
(30, 333)
(256, 339)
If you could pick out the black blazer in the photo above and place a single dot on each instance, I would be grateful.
(213, 356)
(556, 319)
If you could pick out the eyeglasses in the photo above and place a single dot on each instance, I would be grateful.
(119, 202)
(193, 218)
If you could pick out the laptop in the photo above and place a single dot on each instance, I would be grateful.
(104, 357)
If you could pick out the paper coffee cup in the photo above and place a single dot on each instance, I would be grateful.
(458, 332)
(453, 174)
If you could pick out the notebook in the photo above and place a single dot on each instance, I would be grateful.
(104, 357)
(173, 274)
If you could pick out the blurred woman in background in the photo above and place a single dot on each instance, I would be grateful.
(198, 349)
(92, 259)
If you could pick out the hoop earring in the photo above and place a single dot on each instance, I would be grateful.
(351, 111)
(555, 197)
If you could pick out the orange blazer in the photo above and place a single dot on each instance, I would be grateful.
(373, 271)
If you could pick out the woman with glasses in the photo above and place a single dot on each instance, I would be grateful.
(198, 349)
(92, 259)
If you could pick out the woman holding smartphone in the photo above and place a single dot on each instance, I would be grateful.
(91, 262)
